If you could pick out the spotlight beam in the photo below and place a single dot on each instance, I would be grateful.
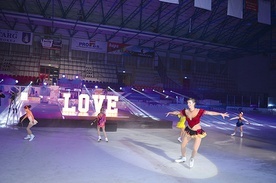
(88, 92)
(166, 96)
(180, 94)
(134, 108)
(156, 101)
(17, 104)
(90, 95)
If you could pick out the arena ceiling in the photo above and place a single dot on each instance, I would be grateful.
(163, 26)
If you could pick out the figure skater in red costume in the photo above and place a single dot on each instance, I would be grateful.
(193, 130)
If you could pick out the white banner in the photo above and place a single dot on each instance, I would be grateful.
(235, 8)
(204, 4)
(17, 37)
(170, 1)
(51, 44)
(264, 12)
(47, 43)
(88, 45)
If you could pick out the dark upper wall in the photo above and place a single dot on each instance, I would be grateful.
(253, 74)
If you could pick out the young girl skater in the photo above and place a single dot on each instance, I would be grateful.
(239, 123)
(181, 125)
(101, 120)
(32, 122)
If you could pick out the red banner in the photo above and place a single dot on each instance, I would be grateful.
(116, 48)
(126, 49)
(251, 5)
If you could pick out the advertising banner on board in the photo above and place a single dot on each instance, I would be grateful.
(116, 48)
(51, 44)
(126, 49)
(139, 51)
(88, 45)
(17, 37)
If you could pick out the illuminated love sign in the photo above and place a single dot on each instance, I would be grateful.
(83, 104)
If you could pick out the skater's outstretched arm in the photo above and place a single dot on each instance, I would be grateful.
(173, 113)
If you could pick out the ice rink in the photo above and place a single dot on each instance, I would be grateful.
(73, 155)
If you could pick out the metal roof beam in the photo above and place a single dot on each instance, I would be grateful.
(162, 6)
(41, 8)
(91, 10)
(164, 23)
(112, 11)
(129, 18)
(198, 12)
(61, 8)
(30, 24)
(7, 22)
(20, 6)
(149, 21)
(175, 20)
(134, 13)
(214, 12)
(179, 27)
(70, 7)
(159, 10)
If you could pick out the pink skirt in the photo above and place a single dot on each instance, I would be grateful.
(101, 124)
